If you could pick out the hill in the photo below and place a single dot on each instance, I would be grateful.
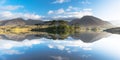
(90, 21)
(19, 22)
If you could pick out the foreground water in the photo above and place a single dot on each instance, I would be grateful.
(78, 46)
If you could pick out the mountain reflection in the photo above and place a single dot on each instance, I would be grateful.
(46, 46)
(86, 36)
(90, 37)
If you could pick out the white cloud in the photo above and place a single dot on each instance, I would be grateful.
(50, 12)
(6, 12)
(32, 16)
(85, 2)
(59, 11)
(78, 14)
(87, 9)
(70, 12)
(60, 1)
(9, 15)
(70, 8)
(4, 7)
(10, 7)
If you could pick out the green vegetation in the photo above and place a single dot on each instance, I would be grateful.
(60, 27)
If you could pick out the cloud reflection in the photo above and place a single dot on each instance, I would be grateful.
(7, 46)
(12, 47)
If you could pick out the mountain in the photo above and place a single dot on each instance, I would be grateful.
(90, 21)
(86, 21)
(33, 22)
(19, 22)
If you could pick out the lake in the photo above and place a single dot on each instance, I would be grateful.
(77, 46)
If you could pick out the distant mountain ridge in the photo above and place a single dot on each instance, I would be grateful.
(90, 21)
(19, 22)
(85, 21)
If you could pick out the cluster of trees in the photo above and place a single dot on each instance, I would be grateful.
(56, 29)
(62, 27)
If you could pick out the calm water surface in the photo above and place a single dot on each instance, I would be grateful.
(78, 46)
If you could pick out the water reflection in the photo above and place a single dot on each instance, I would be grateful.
(87, 36)
(44, 50)
(90, 36)
(44, 46)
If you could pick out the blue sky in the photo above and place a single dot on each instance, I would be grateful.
(108, 10)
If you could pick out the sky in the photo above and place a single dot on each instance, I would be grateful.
(108, 10)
